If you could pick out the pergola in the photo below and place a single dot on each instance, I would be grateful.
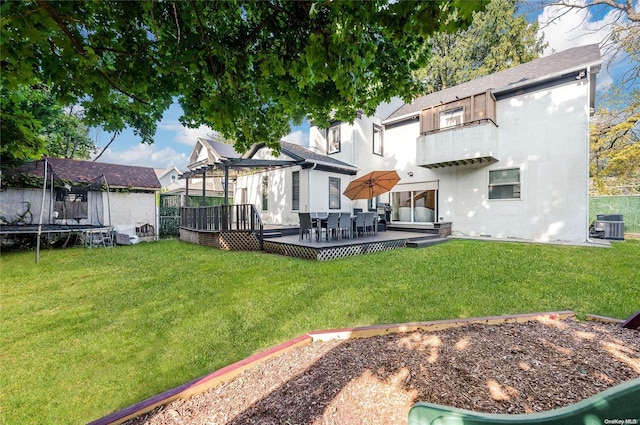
(234, 166)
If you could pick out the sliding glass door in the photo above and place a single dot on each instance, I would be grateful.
(414, 206)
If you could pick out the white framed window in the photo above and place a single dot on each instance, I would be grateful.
(452, 117)
(334, 193)
(377, 140)
(333, 139)
(295, 188)
(265, 193)
(504, 184)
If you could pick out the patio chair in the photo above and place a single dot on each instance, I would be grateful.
(344, 225)
(369, 223)
(306, 226)
(331, 224)
(360, 224)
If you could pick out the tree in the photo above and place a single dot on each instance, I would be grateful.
(497, 39)
(33, 124)
(615, 129)
(615, 145)
(247, 68)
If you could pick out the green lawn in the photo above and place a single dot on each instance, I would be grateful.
(87, 332)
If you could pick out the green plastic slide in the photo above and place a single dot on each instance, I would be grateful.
(619, 405)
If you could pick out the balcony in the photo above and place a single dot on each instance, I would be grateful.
(469, 144)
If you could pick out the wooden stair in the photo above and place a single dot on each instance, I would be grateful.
(425, 241)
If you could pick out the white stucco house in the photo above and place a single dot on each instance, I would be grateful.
(503, 156)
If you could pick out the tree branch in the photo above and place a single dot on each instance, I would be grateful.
(626, 8)
(115, 133)
(204, 35)
(175, 15)
(80, 49)
(58, 20)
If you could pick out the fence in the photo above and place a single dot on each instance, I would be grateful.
(170, 206)
(628, 206)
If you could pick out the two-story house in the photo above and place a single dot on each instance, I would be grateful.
(505, 155)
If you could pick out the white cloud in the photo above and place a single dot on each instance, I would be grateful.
(564, 28)
(185, 135)
(298, 137)
(146, 156)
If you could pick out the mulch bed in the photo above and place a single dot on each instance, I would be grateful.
(507, 368)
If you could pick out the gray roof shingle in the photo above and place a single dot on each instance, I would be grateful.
(301, 152)
(549, 66)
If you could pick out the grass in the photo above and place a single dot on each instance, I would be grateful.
(87, 332)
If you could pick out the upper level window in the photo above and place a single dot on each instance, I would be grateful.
(377, 140)
(333, 140)
(174, 178)
(452, 117)
(504, 184)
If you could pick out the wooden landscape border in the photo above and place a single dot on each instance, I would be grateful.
(227, 373)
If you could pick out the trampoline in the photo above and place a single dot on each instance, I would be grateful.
(67, 213)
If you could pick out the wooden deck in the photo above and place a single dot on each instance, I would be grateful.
(290, 244)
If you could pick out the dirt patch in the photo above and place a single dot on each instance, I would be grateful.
(508, 368)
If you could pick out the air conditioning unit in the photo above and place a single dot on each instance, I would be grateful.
(608, 226)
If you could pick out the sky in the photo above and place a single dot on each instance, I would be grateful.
(174, 142)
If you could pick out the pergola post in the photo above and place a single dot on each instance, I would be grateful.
(226, 185)
(186, 192)
(204, 188)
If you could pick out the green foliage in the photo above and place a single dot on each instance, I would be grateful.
(615, 144)
(628, 206)
(107, 328)
(19, 129)
(497, 39)
(33, 124)
(246, 68)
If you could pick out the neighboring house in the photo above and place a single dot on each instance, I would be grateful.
(505, 155)
(205, 155)
(169, 178)
(84, 193)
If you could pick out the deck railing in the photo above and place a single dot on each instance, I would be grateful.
(223, 218)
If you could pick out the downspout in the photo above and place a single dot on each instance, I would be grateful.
(315, 164)
(589, 78)
(353, 144)
(44, 194)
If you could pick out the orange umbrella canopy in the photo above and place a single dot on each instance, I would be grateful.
(371, 185)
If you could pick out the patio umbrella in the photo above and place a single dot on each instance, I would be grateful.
(371, 185)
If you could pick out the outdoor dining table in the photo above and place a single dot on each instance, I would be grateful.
(319, 220)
